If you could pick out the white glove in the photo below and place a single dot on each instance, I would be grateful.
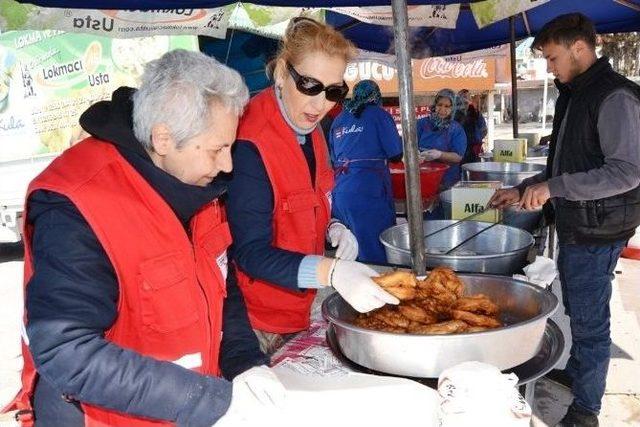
(352, 280)
(264, 385)
(430, 154)
(340, 236)
(257, 396)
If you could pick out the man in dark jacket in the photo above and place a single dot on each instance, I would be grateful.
(592, 183)
(101, 344)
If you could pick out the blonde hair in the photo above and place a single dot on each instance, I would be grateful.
(304, 36)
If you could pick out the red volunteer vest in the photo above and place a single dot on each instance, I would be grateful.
(171, 289)
(301, 212)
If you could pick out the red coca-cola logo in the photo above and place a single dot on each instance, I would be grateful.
(439, 67)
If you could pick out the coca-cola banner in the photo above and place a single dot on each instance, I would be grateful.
(429, 75)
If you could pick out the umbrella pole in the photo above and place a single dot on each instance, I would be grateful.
(409, 139)
(514, 80)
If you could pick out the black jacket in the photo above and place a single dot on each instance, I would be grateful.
(590, 221)
(71, 300)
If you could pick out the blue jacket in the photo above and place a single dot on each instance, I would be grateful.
(71, 300)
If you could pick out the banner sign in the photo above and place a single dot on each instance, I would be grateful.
(429, 75)
(441, 16)
(117, 23)
(489, 11)
(48, 78)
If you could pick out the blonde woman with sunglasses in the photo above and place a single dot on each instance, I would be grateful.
(279, 201)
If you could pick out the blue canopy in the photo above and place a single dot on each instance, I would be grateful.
(244, 52)
(608, 15)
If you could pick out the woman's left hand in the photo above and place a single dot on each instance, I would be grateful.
(340, 237)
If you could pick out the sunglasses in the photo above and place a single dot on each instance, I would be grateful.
(312, 87)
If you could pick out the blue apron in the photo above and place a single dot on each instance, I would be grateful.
(362, 198)
(451, 139)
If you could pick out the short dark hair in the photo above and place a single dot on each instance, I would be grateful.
(566, 30)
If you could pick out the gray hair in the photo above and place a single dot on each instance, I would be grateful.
(177, 89)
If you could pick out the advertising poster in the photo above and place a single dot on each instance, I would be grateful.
(48, 78)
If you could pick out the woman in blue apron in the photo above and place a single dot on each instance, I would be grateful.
(441, 138)
(362, 139)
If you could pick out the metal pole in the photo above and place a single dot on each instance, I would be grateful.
(490, 122)
(545, 96)
(409, 138)
(514, 80)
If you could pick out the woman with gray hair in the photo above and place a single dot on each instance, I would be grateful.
(134, 315)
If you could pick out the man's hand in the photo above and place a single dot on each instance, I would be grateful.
(353, 282)
(504, 197)
(342, 238)
(535, 196)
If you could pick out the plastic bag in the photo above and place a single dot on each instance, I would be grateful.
(478, 394)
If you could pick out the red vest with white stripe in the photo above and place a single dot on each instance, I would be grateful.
(301, 211)
(171, 288)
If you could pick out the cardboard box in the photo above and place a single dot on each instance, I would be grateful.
(469, 197)
(510, 150)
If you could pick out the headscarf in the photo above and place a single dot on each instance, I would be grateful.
(365, 92)
(438, 122)
(462, 101)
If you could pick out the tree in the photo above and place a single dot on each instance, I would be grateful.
(624, 51)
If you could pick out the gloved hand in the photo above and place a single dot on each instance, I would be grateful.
(352, 280)
(340, 236)
(430, 154)
(257, 395)
(263, 383)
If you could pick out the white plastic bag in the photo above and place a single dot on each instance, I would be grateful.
(478, 394)
(541, 272)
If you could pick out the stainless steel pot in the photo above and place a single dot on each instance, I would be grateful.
(524, 309)
(499, 250)
(506, 172)
(512, 216)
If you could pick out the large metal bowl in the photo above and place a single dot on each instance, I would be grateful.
(511, 215)
(499, 250)
(510, 174)
(524, 309)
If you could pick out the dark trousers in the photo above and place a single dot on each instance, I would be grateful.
(586, 272)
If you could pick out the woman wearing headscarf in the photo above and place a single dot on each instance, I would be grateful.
(441, 138)
(474, 125)
(362, 139)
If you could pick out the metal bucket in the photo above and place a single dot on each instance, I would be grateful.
(512, 216)
(509, 173)
(500, 250)
(524, 309)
